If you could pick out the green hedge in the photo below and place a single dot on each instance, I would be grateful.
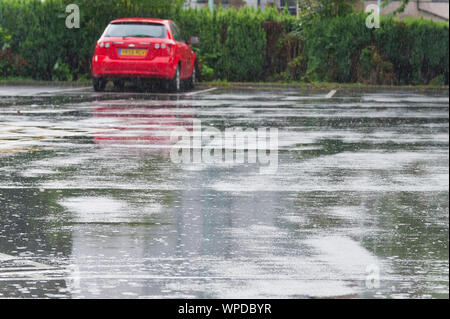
(342, 49)
(332, 47)
(227, 36)
(417, 48)
(235, 45)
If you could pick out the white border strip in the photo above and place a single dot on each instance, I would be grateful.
(5, 257)
(199, 92)
(66, 90)
(331, 94)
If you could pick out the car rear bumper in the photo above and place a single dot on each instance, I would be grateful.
(158, 67)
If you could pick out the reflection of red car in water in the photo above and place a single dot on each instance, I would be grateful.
(140, 126)
(144, 48)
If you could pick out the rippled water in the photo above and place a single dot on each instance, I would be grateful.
(92, 206)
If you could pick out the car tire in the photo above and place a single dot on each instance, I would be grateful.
(98, 84)
(175, 83)
(192, 81)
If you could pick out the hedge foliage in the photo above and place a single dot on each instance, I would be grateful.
(235, 45)
(409, 51)
(417, 48)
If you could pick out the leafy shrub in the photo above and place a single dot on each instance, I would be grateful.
(409, 51)
(11, 64)
(373, 69)
(297, 67)
(243, 50)
(333, 47)
(5, 39)
(417, 48)
(61, 72)
(274, 62)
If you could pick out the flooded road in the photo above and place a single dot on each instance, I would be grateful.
(91, 204)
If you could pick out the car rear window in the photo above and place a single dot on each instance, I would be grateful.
(136, 29)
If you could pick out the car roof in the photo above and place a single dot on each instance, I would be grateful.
(163, 21)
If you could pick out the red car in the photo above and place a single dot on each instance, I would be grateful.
(144, 48)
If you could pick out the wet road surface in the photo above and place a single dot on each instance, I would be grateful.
(92, 206)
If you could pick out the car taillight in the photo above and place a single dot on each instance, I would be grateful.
(102, 47)
(163, 49)
(104, 44)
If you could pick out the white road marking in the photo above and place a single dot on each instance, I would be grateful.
(198, 92)
(330, 94)
(13, 270)
(66, 90)
(5, 257)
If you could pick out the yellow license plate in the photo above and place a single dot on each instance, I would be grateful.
(132, 52)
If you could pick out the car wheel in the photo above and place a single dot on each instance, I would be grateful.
(193, 79)
(175, 83)
(98, 84)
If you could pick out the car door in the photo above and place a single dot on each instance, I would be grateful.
(183, 49)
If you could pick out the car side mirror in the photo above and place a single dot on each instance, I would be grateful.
(193, 41)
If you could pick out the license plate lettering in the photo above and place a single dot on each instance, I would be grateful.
(132, 52)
